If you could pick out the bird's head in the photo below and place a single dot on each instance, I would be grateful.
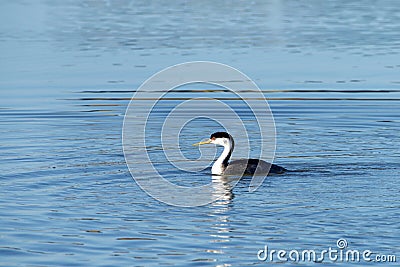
(218, 138)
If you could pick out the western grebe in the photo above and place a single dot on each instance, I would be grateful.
(237, 167)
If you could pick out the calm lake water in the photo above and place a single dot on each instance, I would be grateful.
(331, 73)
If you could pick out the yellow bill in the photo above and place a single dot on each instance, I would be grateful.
(202, 142)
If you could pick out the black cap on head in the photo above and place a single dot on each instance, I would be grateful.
(220, 135)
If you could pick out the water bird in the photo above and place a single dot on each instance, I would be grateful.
(222, 166)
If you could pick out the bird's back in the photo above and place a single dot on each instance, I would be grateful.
(252, 167)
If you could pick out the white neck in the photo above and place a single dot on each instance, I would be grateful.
(221, 163)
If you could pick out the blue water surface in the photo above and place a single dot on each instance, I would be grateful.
(331, 73)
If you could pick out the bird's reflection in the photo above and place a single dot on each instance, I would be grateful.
(222, 190)
(221, 208)
(221, 230)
